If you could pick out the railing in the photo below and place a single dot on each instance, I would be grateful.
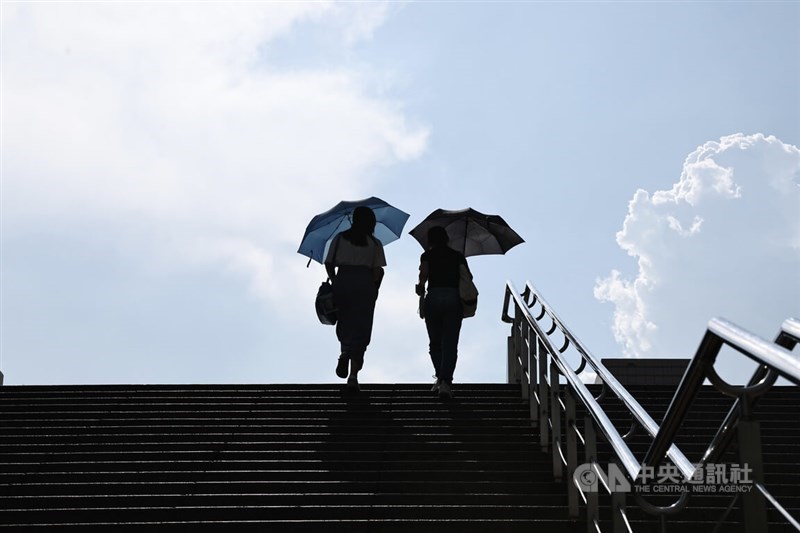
(774, 360)
(539, 367)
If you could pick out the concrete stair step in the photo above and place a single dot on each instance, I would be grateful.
(366, 525)
(311, 457)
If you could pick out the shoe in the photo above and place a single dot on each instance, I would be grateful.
(341, 366)
(444, 390)
(435, 387)
(352, 384)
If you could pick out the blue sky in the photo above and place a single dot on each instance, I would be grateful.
(160, 162)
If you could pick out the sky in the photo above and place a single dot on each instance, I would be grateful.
(160, 161)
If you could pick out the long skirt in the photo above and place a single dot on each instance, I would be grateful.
(354, 293)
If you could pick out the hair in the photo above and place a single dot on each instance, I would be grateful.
(437, 236)
(363, 225)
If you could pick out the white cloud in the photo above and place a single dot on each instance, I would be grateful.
(361, 21)
(172, 138)
(724, 241)
(161, 119)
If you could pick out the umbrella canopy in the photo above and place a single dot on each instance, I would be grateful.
(471, 232)
(325, 226)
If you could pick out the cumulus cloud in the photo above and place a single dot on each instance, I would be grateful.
(165, 119)
(723, 241)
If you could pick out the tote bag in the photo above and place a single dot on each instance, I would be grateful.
(468, 292)
(326, 309)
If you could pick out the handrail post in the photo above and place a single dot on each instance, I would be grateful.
(544, 395)
(514, 348)
(525, 361)
(555, 416)
(572, 453)
(751, 459)
(590, 448)
(617, 510)
(533, 384)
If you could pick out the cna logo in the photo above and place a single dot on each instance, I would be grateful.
(709, 478)
(589, 476)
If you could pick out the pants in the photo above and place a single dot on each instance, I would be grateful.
(354, 293)
(443, 316)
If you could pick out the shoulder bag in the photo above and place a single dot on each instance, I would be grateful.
(468, 292)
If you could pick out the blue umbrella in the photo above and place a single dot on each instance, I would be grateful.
(325, 226)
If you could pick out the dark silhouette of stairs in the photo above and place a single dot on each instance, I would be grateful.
(311, 458)
(272, 458)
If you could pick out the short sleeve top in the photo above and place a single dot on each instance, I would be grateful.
(342, 252)
(443, 266)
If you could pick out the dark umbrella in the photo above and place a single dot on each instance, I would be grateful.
(325, 226)
(470, 231)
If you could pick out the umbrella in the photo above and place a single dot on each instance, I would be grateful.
(471, 232)
(325, 226)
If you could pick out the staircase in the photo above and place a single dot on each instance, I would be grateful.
(312, 458)
(273, 458)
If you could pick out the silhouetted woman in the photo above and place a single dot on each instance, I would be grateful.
(355, 264)
(440, 268)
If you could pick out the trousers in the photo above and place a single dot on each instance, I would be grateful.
(443, 317)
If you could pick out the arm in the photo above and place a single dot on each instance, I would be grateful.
(423, 278)
(330, 265)
(378, 263)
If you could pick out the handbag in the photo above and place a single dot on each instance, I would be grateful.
(324, 304)
(326, 309)
(468, 292)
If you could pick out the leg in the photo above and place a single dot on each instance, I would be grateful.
(451, 329)
(356, 363)
(433, 323)
(354, 294)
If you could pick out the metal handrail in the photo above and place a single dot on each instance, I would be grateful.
(637, 411)
(531, 346)
(720, 332)
(621, 449)
(759, 350)
(773, 359)
(788, 337)
(781, 509)
(791, 328)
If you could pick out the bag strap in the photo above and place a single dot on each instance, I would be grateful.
(335, 250)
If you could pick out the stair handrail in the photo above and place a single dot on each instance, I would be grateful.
(773, 360)
(720, 332)
(593, 407)
(788, 337)
(546, 406)
(639, 413)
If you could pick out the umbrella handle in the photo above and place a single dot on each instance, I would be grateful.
(309, 262)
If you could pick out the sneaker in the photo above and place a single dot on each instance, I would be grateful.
(352, 384)
(435, 387)
(341, 366)
(444, 390)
